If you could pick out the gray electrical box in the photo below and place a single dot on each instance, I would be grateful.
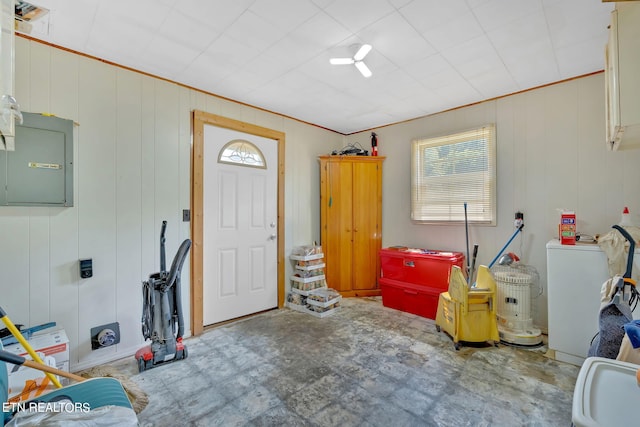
(40, 170)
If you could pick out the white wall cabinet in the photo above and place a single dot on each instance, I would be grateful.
(622, 77)
(9, 108)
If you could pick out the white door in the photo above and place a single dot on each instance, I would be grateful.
(240, 245)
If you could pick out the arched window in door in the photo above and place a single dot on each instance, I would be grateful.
(242, 153)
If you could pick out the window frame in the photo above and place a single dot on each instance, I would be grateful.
(252, 152)
(482, 210)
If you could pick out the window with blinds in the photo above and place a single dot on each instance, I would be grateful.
(449, 171)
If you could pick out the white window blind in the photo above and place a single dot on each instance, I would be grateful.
(449, 171)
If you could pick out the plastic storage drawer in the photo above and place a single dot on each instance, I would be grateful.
(420, 267)
(410, 298)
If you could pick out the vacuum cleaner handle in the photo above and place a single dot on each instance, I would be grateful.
(163, 256)
(178, 260)
(173, 279)
(632, 249)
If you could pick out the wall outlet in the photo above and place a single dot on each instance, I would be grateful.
(105, 335)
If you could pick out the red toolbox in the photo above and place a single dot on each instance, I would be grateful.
(419, 266)
(411, 298)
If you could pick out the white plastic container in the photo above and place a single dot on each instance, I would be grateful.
(606, 394)
(324, 297)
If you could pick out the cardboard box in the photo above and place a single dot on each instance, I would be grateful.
(568, 228)
(26, 383)
(50, 343)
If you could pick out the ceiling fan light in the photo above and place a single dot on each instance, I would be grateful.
(341, 61)
(364, 70)
(362, 52)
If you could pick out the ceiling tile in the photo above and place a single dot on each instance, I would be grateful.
(534, 69)
(497, 13)
(357, 14)
(476, 3)
(399, 3)
(166, 58)
(217, 14)
(494, 83)
(179, 27)
(228, 50)
(459, 93)
(112, 38)
(81, 21)
(521, 32)
(424, 15)
(397, 41)
(539, 57)
(453, 32)
(572, 21)
(471, 50)
(579, 58)
(144, 14)
(399, 84)
(322, 3)
(424, 70)
(255, 31)
(309, 40)
(297, 12)
(217, 69)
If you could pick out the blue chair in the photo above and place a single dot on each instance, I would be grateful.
(96, 392)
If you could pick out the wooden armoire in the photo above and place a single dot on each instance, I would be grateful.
(351, 222)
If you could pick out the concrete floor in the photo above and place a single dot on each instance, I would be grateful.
(366, 365)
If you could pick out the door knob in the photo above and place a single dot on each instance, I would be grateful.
(273, 237)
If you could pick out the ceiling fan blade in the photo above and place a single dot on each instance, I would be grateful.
(341, 61)
(362, 67)
(362, 52)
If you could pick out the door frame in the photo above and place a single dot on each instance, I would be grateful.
(198, 120)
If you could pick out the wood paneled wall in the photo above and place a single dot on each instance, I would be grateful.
(551, 156)
(132, 159)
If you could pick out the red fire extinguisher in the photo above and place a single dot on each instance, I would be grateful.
(374, 144)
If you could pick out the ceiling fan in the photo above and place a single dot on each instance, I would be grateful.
(356, 60)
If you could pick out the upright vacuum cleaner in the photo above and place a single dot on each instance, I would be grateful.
(162, 320)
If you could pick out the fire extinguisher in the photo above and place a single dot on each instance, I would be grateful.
(374, 144)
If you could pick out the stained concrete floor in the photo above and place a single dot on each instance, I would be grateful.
(366, 365)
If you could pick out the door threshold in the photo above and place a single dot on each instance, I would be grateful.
(235, 319)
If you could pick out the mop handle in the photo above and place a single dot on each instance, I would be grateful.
(505, 246)
(466, 232)
(14, 359)
(16, 333)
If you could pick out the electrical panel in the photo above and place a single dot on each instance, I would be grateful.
(40, 170)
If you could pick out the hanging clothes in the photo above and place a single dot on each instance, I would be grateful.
(616, 248)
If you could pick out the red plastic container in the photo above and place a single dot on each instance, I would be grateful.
(410, 298)
(427, 268)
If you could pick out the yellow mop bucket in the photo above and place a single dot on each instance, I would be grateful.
(468, 314)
